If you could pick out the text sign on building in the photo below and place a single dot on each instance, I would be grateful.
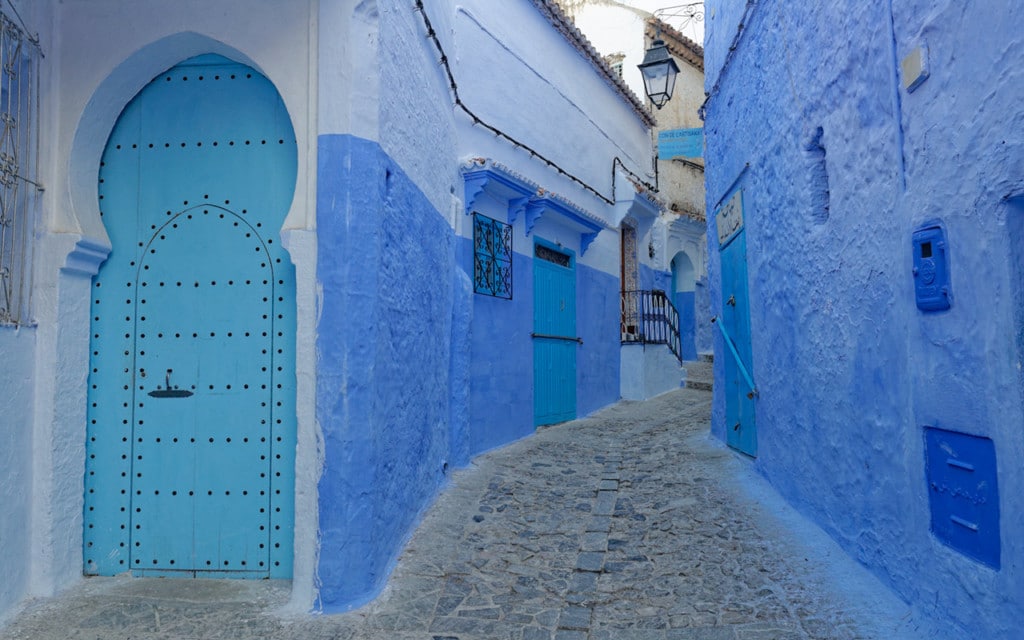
(729, 219)
(681, 143)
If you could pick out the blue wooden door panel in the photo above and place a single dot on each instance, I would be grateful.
(217, 353)
(191, 435)
(554, 357)
(741, 430)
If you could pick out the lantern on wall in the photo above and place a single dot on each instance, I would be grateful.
(659, 70)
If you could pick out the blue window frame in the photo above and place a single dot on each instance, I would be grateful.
(492, 257)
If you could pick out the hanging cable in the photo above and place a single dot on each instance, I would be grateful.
(477, 120)
(33, 39)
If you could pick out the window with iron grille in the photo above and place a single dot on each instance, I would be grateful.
(492, 257)
(19, 56)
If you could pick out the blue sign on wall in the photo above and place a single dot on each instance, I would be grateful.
(963, 493)
(681, 143)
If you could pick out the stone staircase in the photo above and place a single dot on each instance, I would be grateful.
(700, 372)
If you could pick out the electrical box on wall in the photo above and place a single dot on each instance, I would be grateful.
(963, 493)
(931, 268)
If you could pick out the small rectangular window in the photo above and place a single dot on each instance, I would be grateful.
(19, 55)
(492, 257)
(555, 257)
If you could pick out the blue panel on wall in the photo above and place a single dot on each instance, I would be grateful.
(931, 269)
(191, 433)
(963, 493)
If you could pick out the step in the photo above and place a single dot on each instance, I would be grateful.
(699, 385)
(699, 374)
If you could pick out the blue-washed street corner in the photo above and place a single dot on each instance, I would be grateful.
(631, 524)
(530, 319)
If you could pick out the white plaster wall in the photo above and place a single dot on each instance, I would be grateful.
(685, 235)
(647, 371)
(99, 54)
(541, 91)
(16, 378)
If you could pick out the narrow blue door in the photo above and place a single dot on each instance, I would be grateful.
(191, 434)
(555, 341)
(741, 431)
(683, 284)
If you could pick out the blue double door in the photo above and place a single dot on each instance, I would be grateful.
(554, 339)
(191, 433)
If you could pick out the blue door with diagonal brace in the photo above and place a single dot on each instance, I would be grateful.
(191, 434)
(554, 338)
(740, 392)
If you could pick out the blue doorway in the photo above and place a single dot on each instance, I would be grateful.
(554, 338)
(683, 297)
(191, 431)
(740, 391)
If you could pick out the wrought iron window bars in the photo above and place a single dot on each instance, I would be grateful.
(492, 257)
(19, 57)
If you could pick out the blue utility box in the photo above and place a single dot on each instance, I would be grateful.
(931, 268)
(963, 493)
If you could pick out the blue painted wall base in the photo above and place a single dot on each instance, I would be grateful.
(411, 363)
(383, 364)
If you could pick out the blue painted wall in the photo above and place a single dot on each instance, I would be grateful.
(597, 322)
(655, 279)
(383, 358)
(849, 370)
(501, 369)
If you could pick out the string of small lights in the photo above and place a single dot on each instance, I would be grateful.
(477, 120)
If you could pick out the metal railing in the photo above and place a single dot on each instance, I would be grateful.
(649, 317)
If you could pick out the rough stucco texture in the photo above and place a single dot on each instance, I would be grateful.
(17, 347)
(597, 323)
(383, 363)
(849, 370)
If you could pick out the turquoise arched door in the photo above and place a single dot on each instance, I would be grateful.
(191, 433)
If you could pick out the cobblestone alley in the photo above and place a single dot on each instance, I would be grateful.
(631, 524)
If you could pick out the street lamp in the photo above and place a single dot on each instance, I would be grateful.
(659, 70)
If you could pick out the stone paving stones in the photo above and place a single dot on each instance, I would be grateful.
(631, 524)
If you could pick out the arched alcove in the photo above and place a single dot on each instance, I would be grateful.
(683, 292)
